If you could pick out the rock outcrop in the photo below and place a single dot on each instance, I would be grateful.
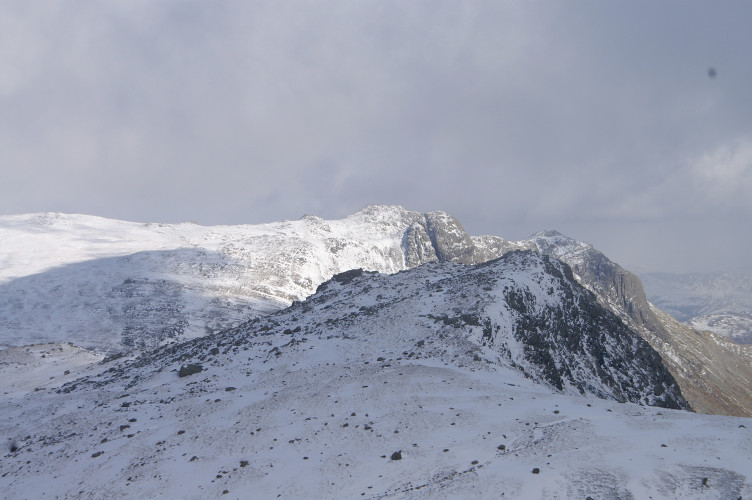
(715, 374)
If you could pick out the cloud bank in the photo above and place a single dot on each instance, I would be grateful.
(597, 119)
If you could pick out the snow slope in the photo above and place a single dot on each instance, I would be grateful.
(314, 402)
(734, 326)
(40, 367)
(114, 285)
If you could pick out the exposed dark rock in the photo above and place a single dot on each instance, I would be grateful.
(417, 246)
(449, 239)
(712, 373)
(190, 369)
(439, 237)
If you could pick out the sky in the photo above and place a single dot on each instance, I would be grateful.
(624, 124)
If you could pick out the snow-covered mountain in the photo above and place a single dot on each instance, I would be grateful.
(734, 326)
(111, 285)
(685, 296)
(443, 381)
(521, 376)
(718, 302)
(118, 286)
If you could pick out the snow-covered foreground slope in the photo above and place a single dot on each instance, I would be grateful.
(45, 366)
(382, 387)
(322, 431)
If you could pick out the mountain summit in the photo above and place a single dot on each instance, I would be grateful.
(115, 285)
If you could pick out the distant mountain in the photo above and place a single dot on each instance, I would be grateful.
(115, 285)
(734, 326)
(443, 381)
(718, 302)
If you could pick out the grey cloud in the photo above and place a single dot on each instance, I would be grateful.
(597, 119)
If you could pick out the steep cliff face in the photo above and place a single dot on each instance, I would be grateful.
(418, 246)
(714, 374)
(449, 238)
(615, 286)
(439, 237)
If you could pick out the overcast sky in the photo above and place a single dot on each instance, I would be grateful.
(603, 120)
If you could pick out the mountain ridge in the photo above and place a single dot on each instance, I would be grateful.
(526, 375)
(433, 382)
(713, 372)
(241, 270)
(235, 272)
